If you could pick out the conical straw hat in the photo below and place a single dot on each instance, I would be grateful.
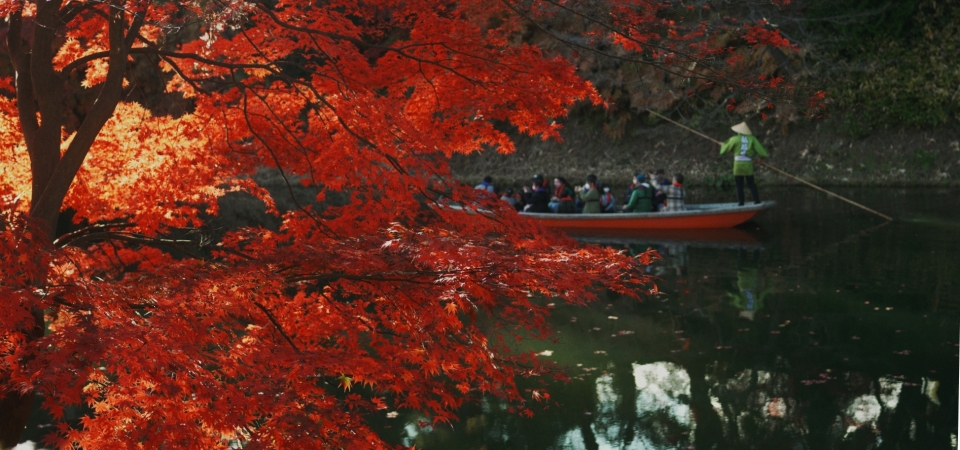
(742, 128)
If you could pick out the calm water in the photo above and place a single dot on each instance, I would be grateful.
(818, 326)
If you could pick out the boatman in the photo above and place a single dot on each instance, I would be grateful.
(745, 147)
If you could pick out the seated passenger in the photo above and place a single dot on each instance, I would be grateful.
(562, 200)
(486, 185)
(641, 198)
(658, 180)
(537, 199)
(675, 194)
(607, 201)
(590, 195)
(630, 188)
(661, 178)
(509, 198)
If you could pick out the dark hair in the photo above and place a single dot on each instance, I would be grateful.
(488, 179)
(679, 177)
(660, 172)
(538, 177)
(509, 191)
(592, 178)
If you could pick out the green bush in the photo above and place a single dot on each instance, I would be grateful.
(911, 80)
(852, 27)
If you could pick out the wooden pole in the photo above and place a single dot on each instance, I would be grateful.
(774, 168)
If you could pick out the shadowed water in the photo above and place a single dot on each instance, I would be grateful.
(817, 326)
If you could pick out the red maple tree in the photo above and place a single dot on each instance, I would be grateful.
(393, 298)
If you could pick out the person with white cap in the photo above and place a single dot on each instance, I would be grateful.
(745, 147)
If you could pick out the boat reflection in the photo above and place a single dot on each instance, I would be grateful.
(749, 235)
(673, 245)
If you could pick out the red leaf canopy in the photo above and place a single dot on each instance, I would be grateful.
(391, 297)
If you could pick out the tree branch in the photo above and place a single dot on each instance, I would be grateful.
(26, 103)
(79, 62)
(391, 277)
(135, 238)
(276, 324)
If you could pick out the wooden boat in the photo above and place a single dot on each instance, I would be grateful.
(702, 216)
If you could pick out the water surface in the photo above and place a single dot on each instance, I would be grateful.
(817, 326)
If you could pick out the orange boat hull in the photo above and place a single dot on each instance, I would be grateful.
(705, 216)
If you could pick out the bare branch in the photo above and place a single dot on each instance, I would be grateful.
(276, 324)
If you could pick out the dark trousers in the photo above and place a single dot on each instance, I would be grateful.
(659, 200)
(753, 188)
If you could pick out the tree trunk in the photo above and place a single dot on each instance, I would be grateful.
(52, 172)
(14, 407)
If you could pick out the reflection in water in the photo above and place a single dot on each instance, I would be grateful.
(674, 259)
(890, 389)
(662, 409)
(663, 396)
(864, 411)
(750, 295)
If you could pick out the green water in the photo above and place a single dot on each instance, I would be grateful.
(817, 326)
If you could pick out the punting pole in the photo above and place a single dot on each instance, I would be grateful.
(772, 167)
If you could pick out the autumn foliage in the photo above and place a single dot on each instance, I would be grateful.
(409, 294)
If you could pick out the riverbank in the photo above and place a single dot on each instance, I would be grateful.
(817, 152)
